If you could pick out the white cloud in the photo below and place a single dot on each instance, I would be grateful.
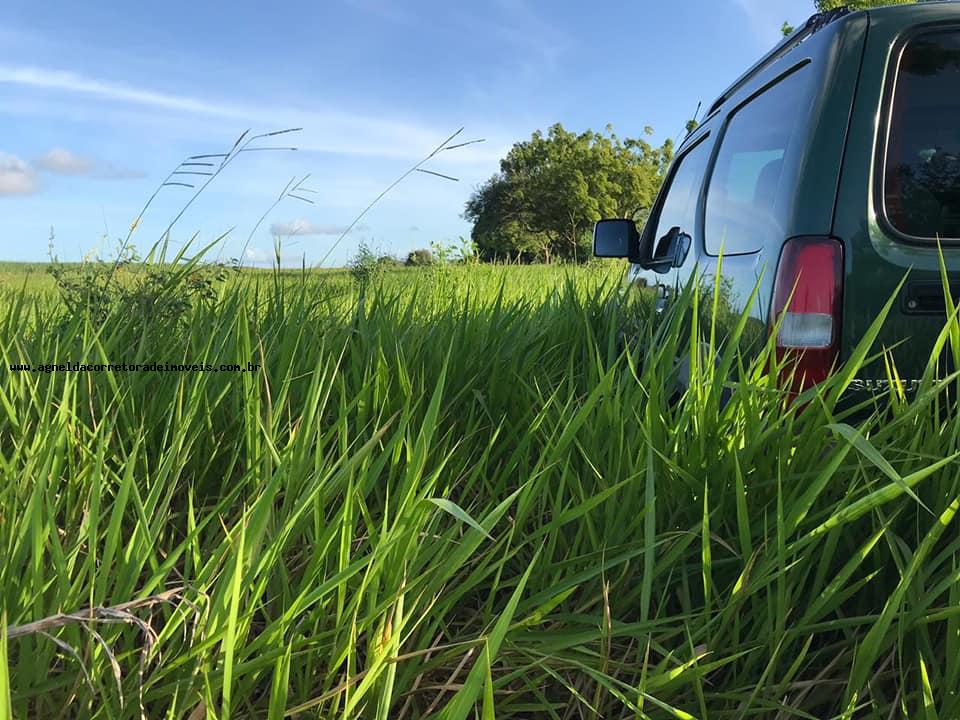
(16, 176)
(258, 256)
(62, 161)
(326, 130)
(305, 227)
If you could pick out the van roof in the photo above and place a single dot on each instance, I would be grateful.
(921, 10)
(814, 24)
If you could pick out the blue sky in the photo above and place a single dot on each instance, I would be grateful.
(99, 101)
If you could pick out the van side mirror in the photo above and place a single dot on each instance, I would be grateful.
(616, 238)
(671, 251)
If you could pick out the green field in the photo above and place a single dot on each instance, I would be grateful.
(467, 494)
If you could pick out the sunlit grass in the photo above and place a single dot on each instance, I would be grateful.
(472, 493)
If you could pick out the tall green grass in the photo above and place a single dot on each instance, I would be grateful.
(470, 495)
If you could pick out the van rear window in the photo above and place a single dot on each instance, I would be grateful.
(922, 173)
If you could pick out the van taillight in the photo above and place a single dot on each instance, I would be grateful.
(810, 278)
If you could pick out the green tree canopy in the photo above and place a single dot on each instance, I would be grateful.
(825, 5)
(552, 188)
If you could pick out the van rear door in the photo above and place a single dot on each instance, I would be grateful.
(899, 198)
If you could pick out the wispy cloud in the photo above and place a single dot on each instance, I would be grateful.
(17, 177)
(61, 161)
(524, 27)
(326, 131)
(514, 23)
(766, 17)
(74, 83)
(305, 227)
(385, 11)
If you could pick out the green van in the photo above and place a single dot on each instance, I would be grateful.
(832, 166)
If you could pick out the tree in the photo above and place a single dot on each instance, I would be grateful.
(827, 5)
(420, 258)
(552, 188)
